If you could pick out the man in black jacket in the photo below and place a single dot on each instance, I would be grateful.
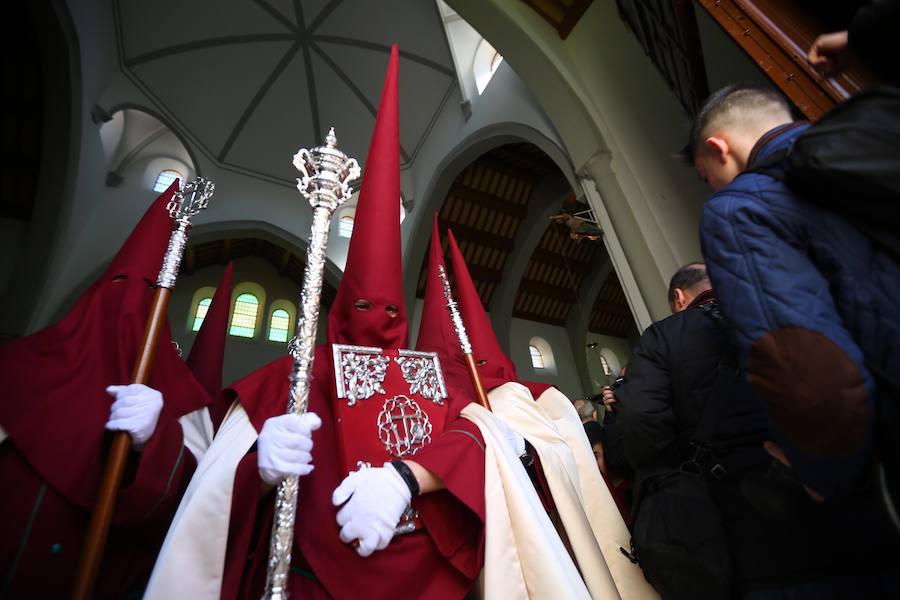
(671, 375)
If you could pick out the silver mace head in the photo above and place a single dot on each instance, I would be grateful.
(185, 203)
(326, 174)
(191, 199)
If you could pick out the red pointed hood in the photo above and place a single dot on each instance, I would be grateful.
(374, 270)
(436, 332)
(208, 351)
(495, 366)
(54, 380)
(142, 253)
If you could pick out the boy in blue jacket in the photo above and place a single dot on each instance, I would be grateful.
(813, 302)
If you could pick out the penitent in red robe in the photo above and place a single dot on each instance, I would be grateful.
(440, 561)
(53, 411)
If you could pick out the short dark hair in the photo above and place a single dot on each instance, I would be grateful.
(595, 433)
(686, 278)
(737, 96)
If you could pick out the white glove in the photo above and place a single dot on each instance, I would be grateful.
(378, 498)
(136, 410)
(284, 446)
(515, 439)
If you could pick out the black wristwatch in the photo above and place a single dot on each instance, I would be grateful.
(406, 473)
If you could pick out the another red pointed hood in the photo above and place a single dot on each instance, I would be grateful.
(208, 352)
(374, 270)
(54, 380)
(495, 366)
(436, 332)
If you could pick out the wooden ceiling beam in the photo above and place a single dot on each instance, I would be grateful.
(611, 308)
(500, 166)
(477, 236)
(226, 251)
(485, 274)
(556, 260)
(502, 205)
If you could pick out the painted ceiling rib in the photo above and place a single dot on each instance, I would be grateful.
(209, 43)
(353, 88)
(323, 14)
(260, 94)
(365, 45)
(298, 14)
(313, 95)
(277, 15)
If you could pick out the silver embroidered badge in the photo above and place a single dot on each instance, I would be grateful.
(403, 427)
(360, 372)
(422, 371)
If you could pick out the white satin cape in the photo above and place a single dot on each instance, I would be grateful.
(521, 544)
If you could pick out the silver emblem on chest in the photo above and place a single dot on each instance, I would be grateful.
(422, 371)
(403, 427)
(360, 372)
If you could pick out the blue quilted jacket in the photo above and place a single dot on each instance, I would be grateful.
(814, 304)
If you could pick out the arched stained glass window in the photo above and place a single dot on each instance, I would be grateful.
(279, 325)
(537, 358)
(165, 179)
(202, 309)
(243, 321)
(345, 226)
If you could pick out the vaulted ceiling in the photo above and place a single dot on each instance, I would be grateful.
(250, 81)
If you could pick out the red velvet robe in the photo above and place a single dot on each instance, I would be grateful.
(42, 532)
(440, 561)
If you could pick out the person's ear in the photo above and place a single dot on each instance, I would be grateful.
(719, 148)
(680, 300)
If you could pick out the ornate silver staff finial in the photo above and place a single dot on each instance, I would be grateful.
(185, 203)
(458, 326)
(325, 177)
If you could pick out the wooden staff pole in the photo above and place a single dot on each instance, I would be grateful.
(101, 519)
(186, 203)
(475, 376)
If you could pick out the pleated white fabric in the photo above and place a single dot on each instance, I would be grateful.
(191, 562)
(591, 519)
(524, 557)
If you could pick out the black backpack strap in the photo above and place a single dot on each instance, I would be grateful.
(726, 372)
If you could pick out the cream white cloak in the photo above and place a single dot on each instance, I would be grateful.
(524, 557)
(592, 521)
